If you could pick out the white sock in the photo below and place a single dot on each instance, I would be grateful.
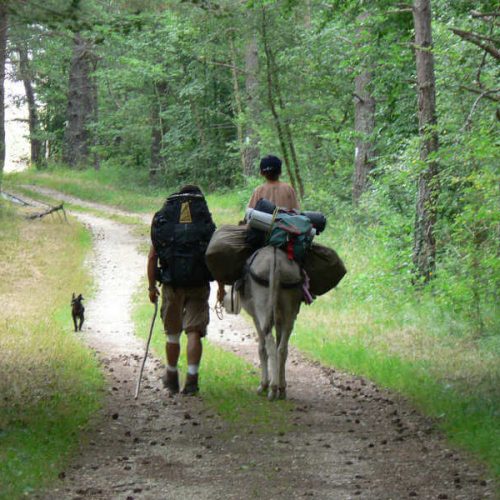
(193, 369)
(171, 368)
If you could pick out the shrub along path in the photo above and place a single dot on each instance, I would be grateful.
(345, 438)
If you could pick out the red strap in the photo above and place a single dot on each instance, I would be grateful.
(289, 249)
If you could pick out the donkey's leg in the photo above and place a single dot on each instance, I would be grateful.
(273, 367)
(282, 355)
(264, 377)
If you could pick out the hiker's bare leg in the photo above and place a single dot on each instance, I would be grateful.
(173, 350)
(194, 348)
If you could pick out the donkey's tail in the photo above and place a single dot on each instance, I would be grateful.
(274, 286)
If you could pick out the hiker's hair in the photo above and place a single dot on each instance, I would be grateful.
(270, 167)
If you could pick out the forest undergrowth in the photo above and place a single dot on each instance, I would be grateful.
(423, 342)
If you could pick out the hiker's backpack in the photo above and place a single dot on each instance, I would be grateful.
(292, 233)
(180, 233)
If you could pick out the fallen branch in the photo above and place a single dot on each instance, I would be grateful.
(16, 199)
(50, 210)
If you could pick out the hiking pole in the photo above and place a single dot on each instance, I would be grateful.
(147, 349)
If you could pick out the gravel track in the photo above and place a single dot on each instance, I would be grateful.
(348, 438)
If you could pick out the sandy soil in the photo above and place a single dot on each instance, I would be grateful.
(348, 438)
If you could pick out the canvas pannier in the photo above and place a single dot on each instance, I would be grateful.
(324, 268)
(227, 253)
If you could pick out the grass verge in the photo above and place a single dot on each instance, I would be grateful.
(407, 342)
(50, 383)
(375, 324)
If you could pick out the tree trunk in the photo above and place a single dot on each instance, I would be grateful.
(286, 125)
(238, 108)
(157, 130)
(82, 105)
(308, 15)
(35, 143)
(364, 125)
(424, 248)
(3, 56)
(272, 105)
(251, 152)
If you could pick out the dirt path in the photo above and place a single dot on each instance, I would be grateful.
(348, 439)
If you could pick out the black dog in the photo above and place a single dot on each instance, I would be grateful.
(77, 311)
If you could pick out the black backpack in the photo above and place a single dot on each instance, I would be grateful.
(180, 233)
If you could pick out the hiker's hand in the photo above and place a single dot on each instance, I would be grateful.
(221, 292)
(153, 294)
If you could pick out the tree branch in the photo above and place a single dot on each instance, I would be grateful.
(478, 14)
(487, 95)
(475, 39)
(474, 106)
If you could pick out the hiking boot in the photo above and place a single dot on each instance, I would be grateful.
(191, 385)
(171, 381)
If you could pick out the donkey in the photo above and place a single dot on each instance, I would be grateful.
(272, 295)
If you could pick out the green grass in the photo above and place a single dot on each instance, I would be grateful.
(113, 187)
(376, 324)
(227, 383)
(50, 383)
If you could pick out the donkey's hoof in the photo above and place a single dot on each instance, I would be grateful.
(262, 389)
(282, 393)
(272, 394)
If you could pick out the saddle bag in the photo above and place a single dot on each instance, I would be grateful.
(324, 268)
(227, 253)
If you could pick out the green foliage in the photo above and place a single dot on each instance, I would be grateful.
(167, 68)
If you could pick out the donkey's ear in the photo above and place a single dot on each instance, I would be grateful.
(73, 295)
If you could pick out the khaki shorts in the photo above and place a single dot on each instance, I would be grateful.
(185, 309)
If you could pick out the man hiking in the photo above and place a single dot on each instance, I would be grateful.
(180, 233)
(280, 193)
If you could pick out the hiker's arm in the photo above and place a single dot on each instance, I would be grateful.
(152, 264)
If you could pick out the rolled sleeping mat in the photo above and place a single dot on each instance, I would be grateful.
(318, 220)
(259, 220)
(264, 205)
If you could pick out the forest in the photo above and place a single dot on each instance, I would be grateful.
(385, 113)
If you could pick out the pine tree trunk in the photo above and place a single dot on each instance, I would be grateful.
(364, 125)
(3, 57)
(251, 152)
(35, 143)
(82, 105)
(424, 249)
